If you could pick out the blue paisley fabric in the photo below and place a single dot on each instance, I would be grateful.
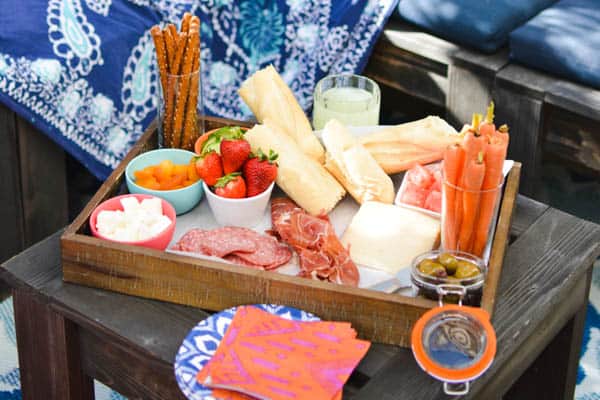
(83, 71)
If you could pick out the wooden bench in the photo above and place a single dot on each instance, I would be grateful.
(33, 195)
(561, 120)
(548, 116)
(434, 70)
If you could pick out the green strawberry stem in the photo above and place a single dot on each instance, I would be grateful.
(224, 180)
(271, 158)
(213, 143)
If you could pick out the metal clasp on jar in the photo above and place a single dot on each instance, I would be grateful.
(446, 289)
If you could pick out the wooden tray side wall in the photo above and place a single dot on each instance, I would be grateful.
(379, 317)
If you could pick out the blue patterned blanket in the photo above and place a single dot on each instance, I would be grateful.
(83, 71)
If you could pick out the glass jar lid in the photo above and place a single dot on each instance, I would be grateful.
(454, 344)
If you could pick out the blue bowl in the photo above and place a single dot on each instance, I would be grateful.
(182, 200)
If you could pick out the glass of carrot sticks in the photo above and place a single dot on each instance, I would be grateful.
(472, 186)
(180, 107)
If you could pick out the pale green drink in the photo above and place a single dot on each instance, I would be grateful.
(351, 99)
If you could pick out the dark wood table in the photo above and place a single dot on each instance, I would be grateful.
(69, 334)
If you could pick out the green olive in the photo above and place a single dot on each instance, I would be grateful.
(448, 261)
(426, 263)
(431, 268)
(466, 269)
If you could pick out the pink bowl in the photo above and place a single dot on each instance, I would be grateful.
(159, 242)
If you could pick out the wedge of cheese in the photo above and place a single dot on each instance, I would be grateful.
(354, 167)
(388, 237)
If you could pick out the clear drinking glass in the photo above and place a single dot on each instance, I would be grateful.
(460, 233)
(181, 111)
(351, 99)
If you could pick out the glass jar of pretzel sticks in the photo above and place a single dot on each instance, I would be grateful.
(180, 112)
(180, 108)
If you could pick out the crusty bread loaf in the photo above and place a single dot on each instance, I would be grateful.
(354, 166)
(388, 237)
(400, 147)
(270, 98)
(302, 178)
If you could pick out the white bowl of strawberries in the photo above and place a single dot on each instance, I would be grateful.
(237, 183)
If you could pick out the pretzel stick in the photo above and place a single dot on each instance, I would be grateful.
(184, 85)
(161, 55)
(195, 22)
(161, 59)
(173, 30)
(170, 44)
(185, 22)
(170, 95)
(190, 129)
(181, 42)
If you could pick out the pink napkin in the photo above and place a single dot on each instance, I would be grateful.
(268, 357)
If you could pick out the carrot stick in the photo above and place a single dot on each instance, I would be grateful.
(494, 161)
(473, 144)
(487, 128)
(502, 134)
(453, 163)
(473, 179)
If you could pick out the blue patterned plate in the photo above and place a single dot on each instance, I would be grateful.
(202, 342)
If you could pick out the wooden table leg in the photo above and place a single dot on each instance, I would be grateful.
(553, 374)
(48, 348)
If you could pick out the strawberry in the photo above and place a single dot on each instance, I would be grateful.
(209, 168)
(260, 171)
(231, 186)
(234, 153)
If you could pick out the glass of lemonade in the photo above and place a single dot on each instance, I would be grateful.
(351, 99)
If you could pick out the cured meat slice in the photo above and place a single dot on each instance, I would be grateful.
(218, 242)
(321, 254)
(240, 261)
(269, 253)
(239, 245)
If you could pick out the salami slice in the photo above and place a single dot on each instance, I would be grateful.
(240, 261)
(239, 245)
(269, 253)
(217, 242)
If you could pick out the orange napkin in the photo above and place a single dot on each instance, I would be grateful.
(269, 357)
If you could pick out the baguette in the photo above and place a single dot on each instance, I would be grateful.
(354, 167)
(269, 97)
(401, 147)
(302, 178)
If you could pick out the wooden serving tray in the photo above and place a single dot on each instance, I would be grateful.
(377, 316)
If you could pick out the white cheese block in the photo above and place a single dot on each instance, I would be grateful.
(137, 221)
(152, 206)
(130, 204)
(387, 237)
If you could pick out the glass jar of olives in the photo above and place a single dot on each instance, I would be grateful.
(437, 267)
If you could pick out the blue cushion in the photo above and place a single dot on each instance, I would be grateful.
(564, 40)
(484, 25)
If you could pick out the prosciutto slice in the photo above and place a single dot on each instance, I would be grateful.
(322, 255)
